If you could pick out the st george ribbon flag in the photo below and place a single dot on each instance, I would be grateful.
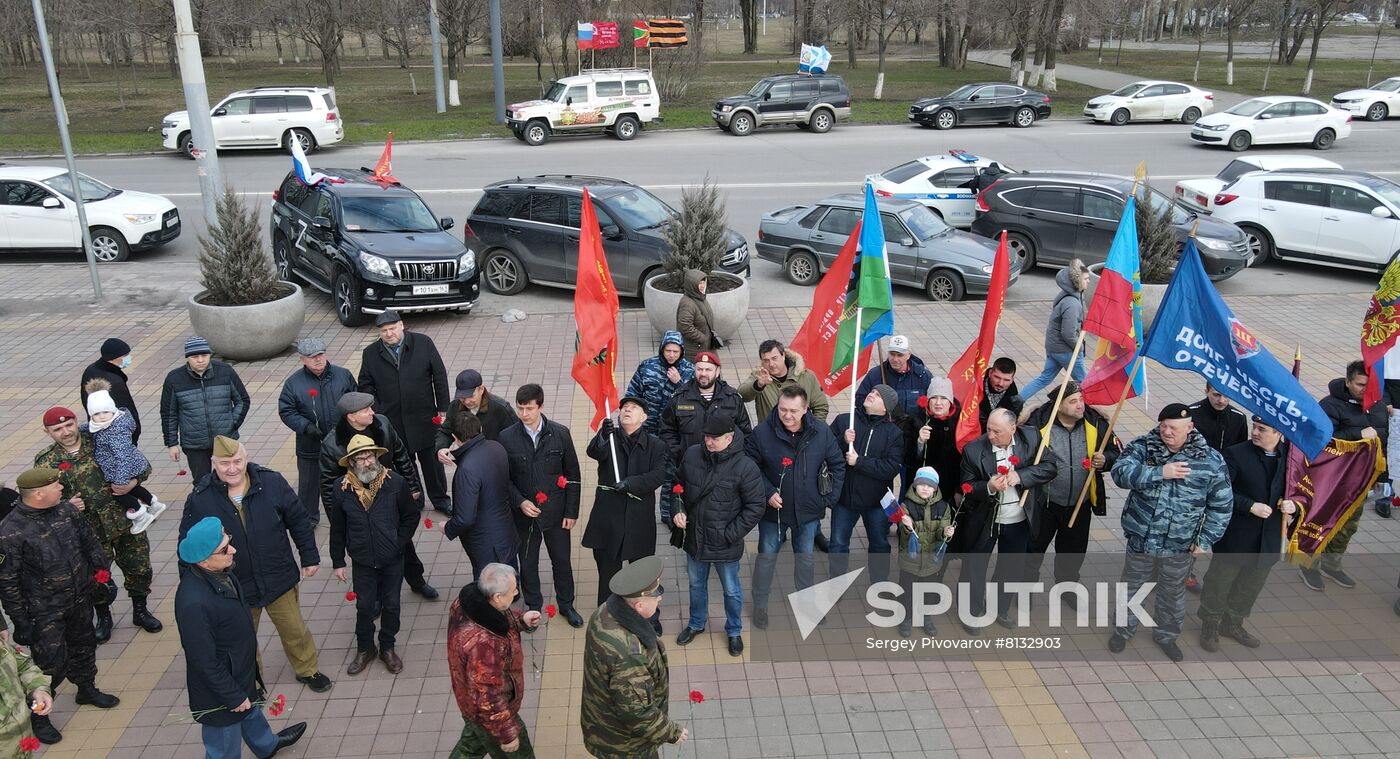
(595, 312)
(1194, 330)
(1115, 316)
(816, 339)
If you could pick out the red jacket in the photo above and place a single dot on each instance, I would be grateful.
(484, 656)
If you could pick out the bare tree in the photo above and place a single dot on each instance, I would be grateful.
(1324, 11)
(1237, 12)
(320, 24)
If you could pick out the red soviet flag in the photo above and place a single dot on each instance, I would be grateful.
(968, 370)
(595, 312)
(816, 339)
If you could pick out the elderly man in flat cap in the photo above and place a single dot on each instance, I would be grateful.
(374, 516)
(221, 649)
(49, 565)
(356, 416)
(307, 407)
(86, 488)
(1179, 505)
(626, 678)
(406, 376)
(259, 509)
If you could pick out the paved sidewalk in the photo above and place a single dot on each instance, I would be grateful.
(1087, 704)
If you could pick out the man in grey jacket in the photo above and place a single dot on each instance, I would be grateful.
(1063, 328)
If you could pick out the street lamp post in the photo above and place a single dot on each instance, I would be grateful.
(197, 105)
(61, 114)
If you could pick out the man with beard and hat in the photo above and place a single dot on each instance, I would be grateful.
(307, 406)
(704, 397)
(49, 576)
(357, 417)
(404, 372)
(221, 649)
(1244, 556)
(657, 379)
(626, 677)
(631, 464)
(73, 454)
(1076, 434)
(261, 511)
(1178, 506)
(374, 516)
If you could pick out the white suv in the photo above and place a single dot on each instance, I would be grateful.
(264, 117)
(1346, 219)
(37, 213)
(615, 101)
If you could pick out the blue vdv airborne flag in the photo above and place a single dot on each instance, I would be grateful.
(1195, 330)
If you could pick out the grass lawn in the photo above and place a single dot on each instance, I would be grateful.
(107, 115)
(1333, 75)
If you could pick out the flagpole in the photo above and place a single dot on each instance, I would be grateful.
(855, 387)
(612, 444)
(1107, 436)
(1054, 411)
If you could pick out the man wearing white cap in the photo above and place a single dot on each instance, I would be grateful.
(903, 371)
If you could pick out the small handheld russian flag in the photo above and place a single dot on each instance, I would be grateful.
(893, 511)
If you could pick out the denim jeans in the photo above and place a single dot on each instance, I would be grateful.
(770, 541)
(700, 594)
(877, 534)
(1053, 364)
(222, 742)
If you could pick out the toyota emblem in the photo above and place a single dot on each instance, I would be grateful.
(429, 270)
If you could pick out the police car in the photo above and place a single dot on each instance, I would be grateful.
(941, 182)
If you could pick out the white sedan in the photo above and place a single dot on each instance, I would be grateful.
(1274, 120)
(1151, 101)
(1199, 193)
(1376, 102)
(37, 212)
(942, 182)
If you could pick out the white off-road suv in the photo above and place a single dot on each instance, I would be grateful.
(264, 117)
(619, 102)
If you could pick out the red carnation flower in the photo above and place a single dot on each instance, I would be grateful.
(350, 595)
(29, 744)
(1002, 469)
(181, 473)
(540, 497)
(103, 576)
(1015, 461)
(678, 488)
(967, 488)
(275, 710)
(439, 419)
(562, 482)
(428, 523)
(787, 461)
(281, 700)
(923, 402)
(551, 610)
(64, 466)
(1088, 463)
(696, 697)
(313, 392)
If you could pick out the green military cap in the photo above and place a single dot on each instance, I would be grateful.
(225, 447)
(37, 478)
(640, 578)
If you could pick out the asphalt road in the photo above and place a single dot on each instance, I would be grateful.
(767, 170)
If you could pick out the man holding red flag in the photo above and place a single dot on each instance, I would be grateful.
(595, 312)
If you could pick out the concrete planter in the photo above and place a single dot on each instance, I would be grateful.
(249, 333)
(730, 306)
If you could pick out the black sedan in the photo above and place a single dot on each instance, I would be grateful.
(983, 103)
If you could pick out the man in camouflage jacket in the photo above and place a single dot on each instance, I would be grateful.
(21, 681)
(626, 679)
(51, 567)
(85, 487)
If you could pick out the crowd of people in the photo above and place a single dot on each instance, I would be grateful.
(372, 454)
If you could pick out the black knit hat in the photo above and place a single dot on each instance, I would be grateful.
(114, 347)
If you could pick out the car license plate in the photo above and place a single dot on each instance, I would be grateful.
(172, 221)
(430, 289)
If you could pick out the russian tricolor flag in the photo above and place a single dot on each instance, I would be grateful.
(303, 170)
(585, 35)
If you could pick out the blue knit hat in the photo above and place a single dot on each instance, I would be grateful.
(202, 540)
(926, 474)
(196, 346)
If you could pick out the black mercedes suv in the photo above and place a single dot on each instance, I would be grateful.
(371, 245)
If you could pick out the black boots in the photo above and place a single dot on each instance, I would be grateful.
(89, 694)
(140, 616)
(44, 730)
(1210, 635)
(104, 623)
